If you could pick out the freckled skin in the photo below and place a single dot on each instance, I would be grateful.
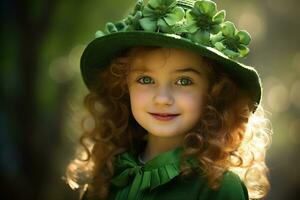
(164, 92)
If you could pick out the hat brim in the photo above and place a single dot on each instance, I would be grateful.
(100, 51)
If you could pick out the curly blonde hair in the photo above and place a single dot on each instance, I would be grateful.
(229, 135)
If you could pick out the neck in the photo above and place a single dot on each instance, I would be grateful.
(157, 145)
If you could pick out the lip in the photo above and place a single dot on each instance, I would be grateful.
(164, 116)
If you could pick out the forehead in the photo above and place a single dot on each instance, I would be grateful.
(166, 59)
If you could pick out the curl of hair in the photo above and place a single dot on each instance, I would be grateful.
(228, 136)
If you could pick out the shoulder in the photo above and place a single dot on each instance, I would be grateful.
(232, 187)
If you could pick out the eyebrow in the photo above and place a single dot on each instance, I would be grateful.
(188, 69)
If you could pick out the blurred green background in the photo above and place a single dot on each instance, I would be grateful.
(41, 88)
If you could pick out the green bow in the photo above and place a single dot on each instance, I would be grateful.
(154, 173)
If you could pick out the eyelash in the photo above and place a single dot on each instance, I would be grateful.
(182, 78)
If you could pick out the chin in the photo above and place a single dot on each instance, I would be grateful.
(164, 134)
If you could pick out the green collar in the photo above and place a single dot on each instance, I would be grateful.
(154, 173)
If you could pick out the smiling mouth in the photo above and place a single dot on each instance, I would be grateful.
(164, 116)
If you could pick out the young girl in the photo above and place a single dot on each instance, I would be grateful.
(174, 114)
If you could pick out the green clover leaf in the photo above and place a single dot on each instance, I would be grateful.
(244, 37)
(139, 6)
(111, 28)
(232, 42)
(99, 34)
(161, 15)
(206, 7)
(133, 22)
(204, 20)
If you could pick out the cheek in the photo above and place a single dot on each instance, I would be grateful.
(138, 98)
(192, 102)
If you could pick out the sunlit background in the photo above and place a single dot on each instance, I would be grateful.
(41, 88)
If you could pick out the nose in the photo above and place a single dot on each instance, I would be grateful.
(163, 96)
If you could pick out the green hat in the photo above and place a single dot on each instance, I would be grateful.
(194, 25)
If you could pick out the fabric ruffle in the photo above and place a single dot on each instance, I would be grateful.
(158, 171)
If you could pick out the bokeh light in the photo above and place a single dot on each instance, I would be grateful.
(60, 70)
(294, 131)
(277, 97)
(254, 21)
(296, 61)
(295, 94)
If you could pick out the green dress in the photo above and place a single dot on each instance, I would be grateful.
(158, 179)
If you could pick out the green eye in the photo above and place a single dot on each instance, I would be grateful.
(184, 81)
(145, 80)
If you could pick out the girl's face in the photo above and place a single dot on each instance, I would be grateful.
(167, 88)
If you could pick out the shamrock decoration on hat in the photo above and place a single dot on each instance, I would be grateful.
(202, 24)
